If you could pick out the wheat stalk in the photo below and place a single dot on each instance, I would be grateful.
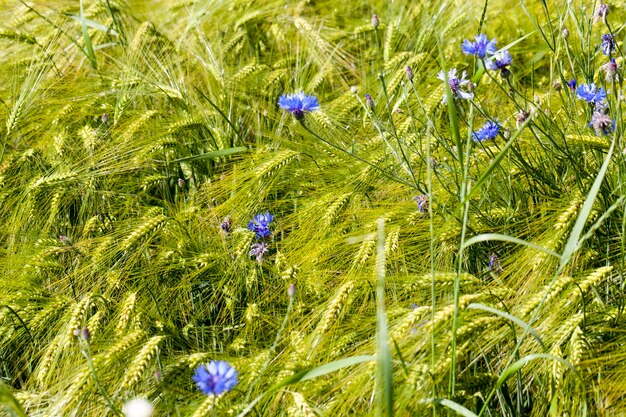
(139, 364)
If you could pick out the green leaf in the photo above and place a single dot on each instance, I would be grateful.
(9, 403)
(310, 374)
(88, 46)
(383, 354)
(460, 410)
(511, 370)
(519, 322)
(325, 369)
(487, 174)
(505, 238)
(94, 25)
(210, 155)
(572, 242)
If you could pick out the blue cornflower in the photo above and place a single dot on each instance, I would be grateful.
(591, 94)
(489, 131)
(494, 264)
(481, 48)
(226, 225)
(572, 84)
(298, 104)
(215, 377)
(602, 123)
(422, 203)
(499, 61)
(456, 83)
(260, 224)
(258, 250)
(608, 44)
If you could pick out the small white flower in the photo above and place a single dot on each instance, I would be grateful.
(139, 407)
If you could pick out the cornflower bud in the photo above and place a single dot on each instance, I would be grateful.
(375, 21)
(409, 73)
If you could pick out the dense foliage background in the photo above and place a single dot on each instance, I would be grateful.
(133, 129)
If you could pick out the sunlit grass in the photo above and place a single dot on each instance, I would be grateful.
(140, 138)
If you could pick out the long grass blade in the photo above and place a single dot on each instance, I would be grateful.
(87, 39)
(385, 371)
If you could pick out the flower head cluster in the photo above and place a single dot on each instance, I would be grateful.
(481, 47)
(258, 250)
(138, 407)
(608, 44)
(601, 12)
(215, 377)
(610, 70)
(572, 84)
(521, 117)
(260, 224)
(591, 94)
(298, 104)
(226, 225)
(489, 131)
(500, 61)
(602, 123)
(494, 264)
(457, 84)
(422, 203)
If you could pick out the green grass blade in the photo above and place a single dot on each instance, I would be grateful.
(210, 155)
(94, 25)
(310, 374)
(485, 237)
(458, 408)
(487, 174)
(573, 241)
(515, 367)
(87, 39)
(9, 403)
(503, 314)
(385, 371)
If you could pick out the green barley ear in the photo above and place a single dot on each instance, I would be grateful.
(138, 366)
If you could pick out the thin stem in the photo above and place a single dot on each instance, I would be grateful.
(379, 169)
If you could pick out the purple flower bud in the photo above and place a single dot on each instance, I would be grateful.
(572, 84)
(181, 183)
(84, 333)
(226, 225)
(521, 117)
(369, 101)
(375, 21)
(291, 291)
(409, 73)
(565, 33)
(422, 203)
(601, 13)
(494, 264)
(610, 70)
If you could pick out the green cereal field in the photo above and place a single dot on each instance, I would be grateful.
(312, 208)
